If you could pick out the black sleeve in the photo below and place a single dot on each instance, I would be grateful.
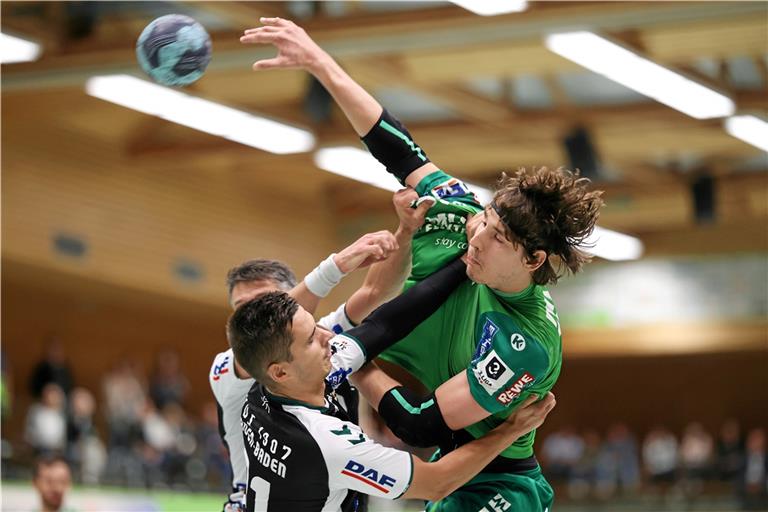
(392, 145)
(394, 320)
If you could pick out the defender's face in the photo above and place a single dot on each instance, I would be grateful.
(311, 350)
(245, 291)
(492, 259)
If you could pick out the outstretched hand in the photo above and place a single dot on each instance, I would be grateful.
(368, 249)
(295, 49)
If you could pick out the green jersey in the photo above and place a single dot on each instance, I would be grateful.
(509, 344)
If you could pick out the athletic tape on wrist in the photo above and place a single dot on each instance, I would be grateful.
(324, 277)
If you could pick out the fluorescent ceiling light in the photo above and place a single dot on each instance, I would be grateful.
(750, 129)
(15, 49)
(640, 74)
(359, 165)
(200, 114)
(356, 164)
(492, 7)
(613, 245)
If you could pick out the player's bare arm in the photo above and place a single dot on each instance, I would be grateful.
(366, 250)
(297, 50)
(385, 279)
(436, 480)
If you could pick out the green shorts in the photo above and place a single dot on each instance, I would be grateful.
(527, 491)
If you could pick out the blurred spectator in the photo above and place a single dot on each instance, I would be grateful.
(696, 453)
(46, 427)
(660, 459)
(168, 385)
(52, 480)
(561, 451)
(125, 395)
(85, 451)
(213, 452)
(617, 466)
(53, 368)
(169, 444)
(582, 481)
(729, 452)
(755, 474)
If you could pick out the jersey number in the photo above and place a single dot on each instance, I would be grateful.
(261, 488)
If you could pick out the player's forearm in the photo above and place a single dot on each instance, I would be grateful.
(362, 109)
(436, 480)
(304, 297)
(383, 281)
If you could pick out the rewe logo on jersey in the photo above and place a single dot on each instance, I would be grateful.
(220, 369)
(513, 391)
(369, 475)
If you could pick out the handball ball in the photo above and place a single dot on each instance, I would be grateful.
(174, 50)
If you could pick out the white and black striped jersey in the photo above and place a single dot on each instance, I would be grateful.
(230, 393)
(303, 458)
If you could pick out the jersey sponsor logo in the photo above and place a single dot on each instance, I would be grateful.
(517, 341)
(369, 475)
(450, 188)
(337, 329)
(492, 373)
(221, 369)
(445, 221)
(497, 504)
(337, 377)
(486, 338)
(512, 392)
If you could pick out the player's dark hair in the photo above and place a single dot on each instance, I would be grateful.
(553, 211)
(259, 332)
(261, 270)
(48, 460)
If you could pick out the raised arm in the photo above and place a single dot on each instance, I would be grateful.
(385, 279)
(297, 50)
(366, 250)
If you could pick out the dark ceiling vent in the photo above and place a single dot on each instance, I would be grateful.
(69, 245)
(188, 271)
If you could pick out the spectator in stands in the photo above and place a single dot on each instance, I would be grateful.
(85, 450)
(582, 482)
(46, 425)
(618, 465)
(168, 385)
(729, 455)
(125, 397)
(696, 457)
(53, 368)
(660, 459)
(754, 478)
(212, 451)
(562, 450)
(52, 480)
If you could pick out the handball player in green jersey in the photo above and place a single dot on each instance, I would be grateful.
(496, 340)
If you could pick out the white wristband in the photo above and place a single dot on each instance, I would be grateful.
(325, 276)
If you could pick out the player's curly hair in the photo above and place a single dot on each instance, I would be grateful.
(259, 332)
(553, 211)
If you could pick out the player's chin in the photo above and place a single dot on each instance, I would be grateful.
(474, 273)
